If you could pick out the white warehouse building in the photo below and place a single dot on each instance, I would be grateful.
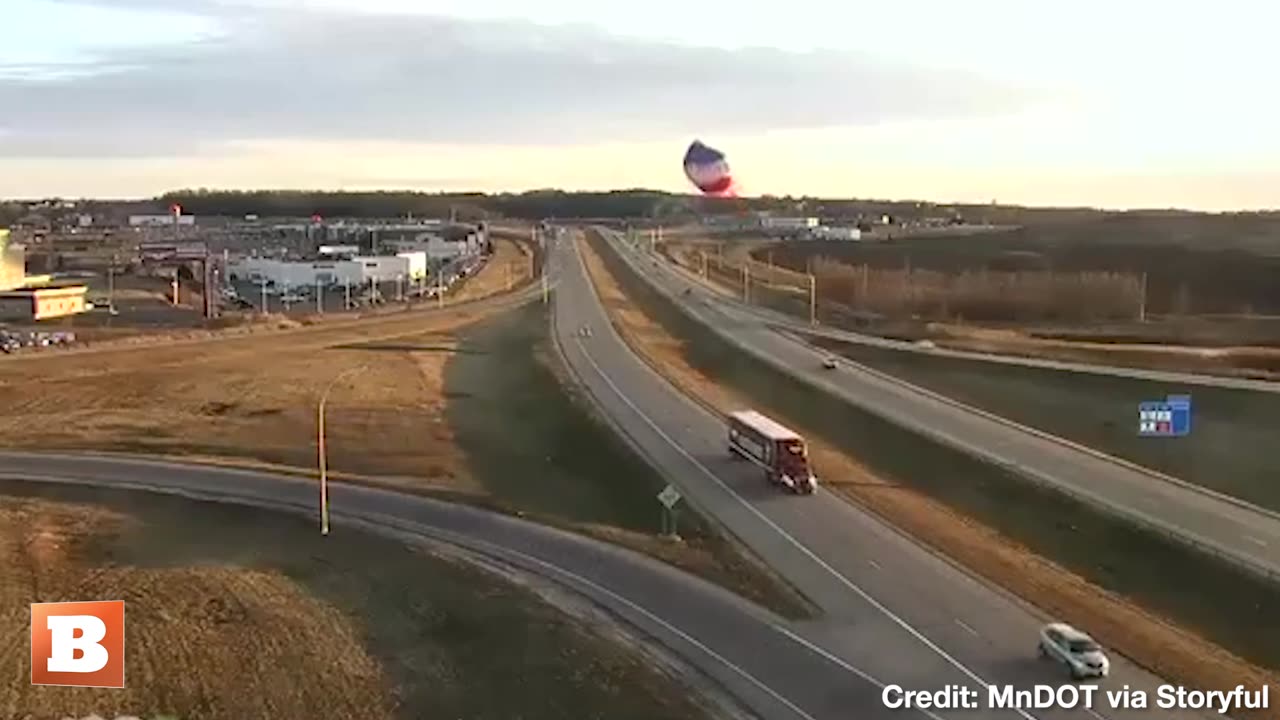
(405, 267)
(436, 247)
(383, 268)
(290, 274)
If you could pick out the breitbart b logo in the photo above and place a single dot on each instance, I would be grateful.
(78, 644)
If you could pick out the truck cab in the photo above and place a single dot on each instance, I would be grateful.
(793, 466)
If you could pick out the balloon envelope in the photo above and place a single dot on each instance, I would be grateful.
(707, 169)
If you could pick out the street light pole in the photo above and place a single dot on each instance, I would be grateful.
(322, 450)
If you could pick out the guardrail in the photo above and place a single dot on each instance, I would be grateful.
(1137, 517)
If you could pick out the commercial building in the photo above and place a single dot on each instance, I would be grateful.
(295, 274)
(437, 248)
(42, 303)
(357, 270)
(383, 268)
(13, 269)
(417, 264)
(827, 232)
(161, 220)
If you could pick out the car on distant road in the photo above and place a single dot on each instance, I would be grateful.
(829, 363)
(1075, 650)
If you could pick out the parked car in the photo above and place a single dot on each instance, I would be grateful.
(1075, 650)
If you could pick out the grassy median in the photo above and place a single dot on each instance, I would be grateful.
(1059, 554)
(1229, 450)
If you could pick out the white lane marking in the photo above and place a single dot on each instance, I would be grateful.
(765, 518)
(499, 550)
(417, 528)
(874, 564)
(968, 629)
(1258, 541)
(841, 663)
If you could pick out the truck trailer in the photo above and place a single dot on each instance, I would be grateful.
(781, 453)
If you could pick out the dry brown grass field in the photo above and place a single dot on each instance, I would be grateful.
(238, 613)
(466, 404)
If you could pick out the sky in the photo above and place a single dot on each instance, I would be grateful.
(1133, 104)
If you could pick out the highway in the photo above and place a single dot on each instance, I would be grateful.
(1236, 530)
(1163, 376)
(745, 650)
(891, 609)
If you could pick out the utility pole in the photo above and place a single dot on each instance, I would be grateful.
(440, 287)
(111, 286)
(1142, 300)
(319, 298)
(322, 451)
(813, 301)
(746, 281)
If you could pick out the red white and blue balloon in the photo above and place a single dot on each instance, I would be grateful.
(707, 169)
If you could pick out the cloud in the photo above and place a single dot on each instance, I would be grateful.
(272, 73)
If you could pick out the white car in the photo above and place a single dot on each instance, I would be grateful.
(829, 363)
(1082, 657)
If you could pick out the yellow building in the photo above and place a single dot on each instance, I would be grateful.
(42, 303)
(25, 301)
(12, 263)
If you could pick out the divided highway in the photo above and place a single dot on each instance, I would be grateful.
(1233, 529)
(892, 611)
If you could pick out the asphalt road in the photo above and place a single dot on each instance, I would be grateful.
(1234, 529)
(1164, 376)
(893, 613)
(892, 610)
(748, 651)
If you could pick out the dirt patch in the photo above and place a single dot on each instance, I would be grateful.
(235, 612)
(1147, 637)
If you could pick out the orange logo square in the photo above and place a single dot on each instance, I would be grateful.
(78, 644)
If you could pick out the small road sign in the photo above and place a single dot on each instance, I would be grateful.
(669, 496)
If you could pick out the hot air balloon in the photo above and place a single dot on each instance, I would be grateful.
(707, 169)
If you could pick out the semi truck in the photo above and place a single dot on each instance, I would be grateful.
(781, 453)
